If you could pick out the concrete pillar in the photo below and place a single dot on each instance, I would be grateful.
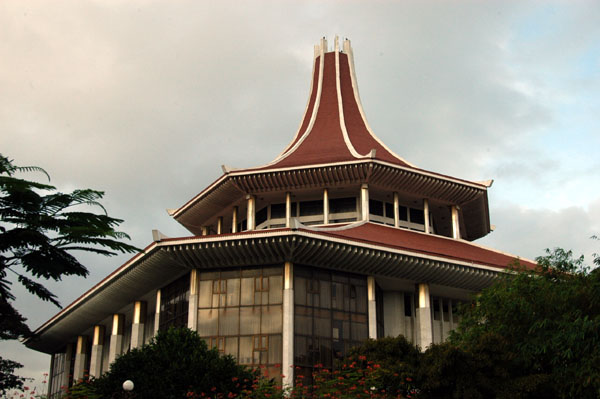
(325, 206)
(396, 210)
(140, 311)
(79, 371)
(50, 374)
(426, 215)
(287, 360)
(116, 337)
(220, 225)
(251, 212)
(157, 312)
(364, 201)
(234, 220)
(97, 350)
(193, 301)
(425, 325)
(455, 222)
(288, 209)
(372, 307)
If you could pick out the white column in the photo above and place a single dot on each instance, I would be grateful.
(364, 201)
(234, 220)
(97, 349)
(157, 312)
(396, 210)
(425, 327)
(251, 212)
(140, 311)
(50, 374)
(288, 209)
(426, 215)
(193, 301)
(116, 337)
(455, 222)
(287, 360)
(204, 230)
(80, 358)
(325, 206)
(372, 307)
(220, 225)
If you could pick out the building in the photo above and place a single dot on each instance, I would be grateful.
(335, 241)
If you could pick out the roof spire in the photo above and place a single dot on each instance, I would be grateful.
(334, 127)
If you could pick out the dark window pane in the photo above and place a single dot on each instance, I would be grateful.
(376, 207)
(294, 209)
(416, 216)
(403, 213)
(389, 210)
(445, 310)
(261, 216)
(300, 290)
(342, 205)
(277, 211)
(408, 305)
(174, 303)
(309, 208)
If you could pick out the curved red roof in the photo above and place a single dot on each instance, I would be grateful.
(333, 128)
(426, 244)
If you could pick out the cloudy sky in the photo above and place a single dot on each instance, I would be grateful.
(146, 99)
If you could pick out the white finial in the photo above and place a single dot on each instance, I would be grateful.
(347, 47)
(324, 45)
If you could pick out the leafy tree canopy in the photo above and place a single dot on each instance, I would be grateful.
(39, 228)
(542, 326)
(175, 364)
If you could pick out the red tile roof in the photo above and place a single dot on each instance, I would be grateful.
(426, 244)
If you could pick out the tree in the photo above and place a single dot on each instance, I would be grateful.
(39, 228)
(546, 323)
(397, 360)
(175, 364)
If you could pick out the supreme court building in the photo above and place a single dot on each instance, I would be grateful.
(335, 241)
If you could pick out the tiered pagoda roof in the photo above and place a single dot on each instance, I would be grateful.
(335, 146)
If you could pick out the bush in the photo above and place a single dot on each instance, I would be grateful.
(175, 364)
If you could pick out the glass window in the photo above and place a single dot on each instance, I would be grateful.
(229, 321)
(389, 210)
(309, 208)
(417, 216)
(403, 213)
(261, 216)
(342, 205)
(275, 289)
(330, 315)
(375, 207)
(231, 318)
(207, 322)
(174, 303)
(277, 211)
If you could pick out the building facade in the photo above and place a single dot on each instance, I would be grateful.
(291, 263)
